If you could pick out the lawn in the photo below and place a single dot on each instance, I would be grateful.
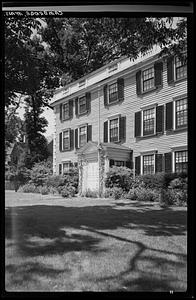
(56, 244)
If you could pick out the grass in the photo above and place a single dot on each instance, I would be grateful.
(55, 244)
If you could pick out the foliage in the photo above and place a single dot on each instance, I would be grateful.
(82, 45)
(40, 172)
(115, 193)
(143, 194)
(44, 190)
(68, 191)
(120, 177)
(29, 188)
(90, 194)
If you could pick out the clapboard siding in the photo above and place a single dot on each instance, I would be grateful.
(131, 104)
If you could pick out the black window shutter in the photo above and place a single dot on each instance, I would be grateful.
(169, 115)
(76, 106)
(158, 163)
(60, 107)
(168, 162)
(160, 118)
(76, 138)
(138, 124)
(122, 130)
(120, 84)
(71, 139)
(170, 69)
(89, 133)
(60, 141)
(111, 162)
(105, 132)
(138, 83)
(88, 101)
(70, 108)
(129, 164)
(105, 90)
(137, 165)
(60, 169)
(158, 68)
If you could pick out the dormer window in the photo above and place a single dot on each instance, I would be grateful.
(81, 83)
(112, 68)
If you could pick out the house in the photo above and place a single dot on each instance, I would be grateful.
(131, 113)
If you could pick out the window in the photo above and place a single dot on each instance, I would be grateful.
(113, 92)
(112, 68)
(66, 166)
(82, 105)
(65, 111)
(181, 113)
(82, 135)
(119, 163)
(148, 164)
(148, 121)
(180, 68)
(148, 79)
(66, 139)
(181, 161)
(114, 130)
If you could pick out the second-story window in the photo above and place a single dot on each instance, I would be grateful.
(148, 79)
(65, 111)
(114, 130)
(148, 121)
(66, 140)
(181, 68)
(82, 135)
(113, 92)
(82, 105)
(181, 113)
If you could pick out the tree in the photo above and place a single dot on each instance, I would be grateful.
(81, 45)
(37, 149)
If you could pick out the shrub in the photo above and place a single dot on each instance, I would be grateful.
(173, 197)
(54, 181)
(44, 190)
(120, 177)
(68, 191)
(146, 194)
(53, 190)
(90, 194)
(114, 192)
(178, 183)
(40, 172)
(131, 194)
(29, 188)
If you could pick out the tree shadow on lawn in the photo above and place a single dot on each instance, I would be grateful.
(53, 222)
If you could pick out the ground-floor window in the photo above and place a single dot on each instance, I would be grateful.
(148, 164)
(181, 161)
(119, 163)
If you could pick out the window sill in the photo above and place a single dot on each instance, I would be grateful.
(148, 91)
(66, 119)
(176, 130)
(177, 81)
(146, 136)
(115, 102)
(83, 113)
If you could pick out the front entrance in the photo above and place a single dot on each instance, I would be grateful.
(91, 176)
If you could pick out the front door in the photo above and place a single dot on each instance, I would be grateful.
(91, 176)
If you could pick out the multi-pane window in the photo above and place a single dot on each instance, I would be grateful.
(148, 121)
(66, 140)
(181, 113)
(82, 135)
(181, 68)
(113, 92)
(181, 161)
(114, 130)
(82, 105)
(65, 111)
(148, 79)
(119, 163)
(66, 166)
(148, 164)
